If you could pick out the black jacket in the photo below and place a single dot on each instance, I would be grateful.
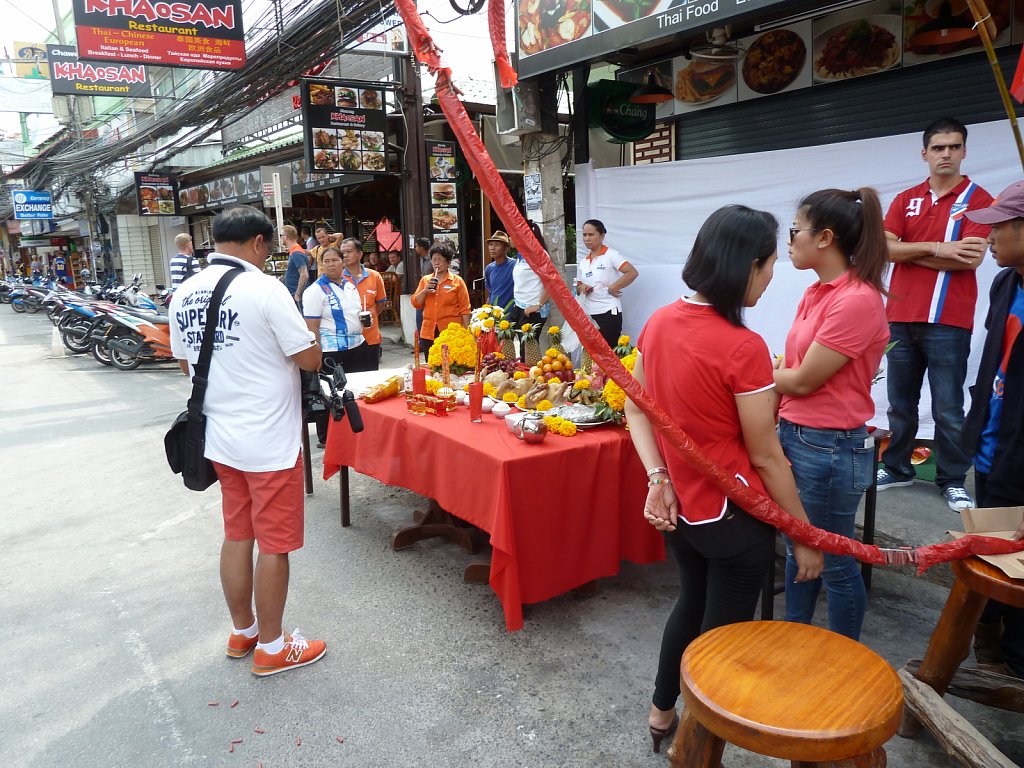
(1006, 479)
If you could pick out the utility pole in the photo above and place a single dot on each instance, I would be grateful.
(76, 127)
(415, 189)
(542, 153)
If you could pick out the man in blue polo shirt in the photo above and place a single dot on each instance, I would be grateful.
(498, 274)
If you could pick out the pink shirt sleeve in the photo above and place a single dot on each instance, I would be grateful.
(845, 328)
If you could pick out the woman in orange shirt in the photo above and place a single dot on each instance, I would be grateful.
(442, 296)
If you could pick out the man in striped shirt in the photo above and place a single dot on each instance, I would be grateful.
(185, 264)
(935, 251)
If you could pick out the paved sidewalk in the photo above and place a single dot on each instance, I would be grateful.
(116, 625)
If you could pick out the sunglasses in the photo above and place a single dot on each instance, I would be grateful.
(793, 231)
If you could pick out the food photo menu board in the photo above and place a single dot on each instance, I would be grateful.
(444, 193)
(157, 194)
(345, 126)
(864, 40)
(937, 30)
(860, 41)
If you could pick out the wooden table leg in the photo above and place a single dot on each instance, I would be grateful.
(307, 462)
(345, 520)
(949, 645)
(436, 522)
(477, 573)
(870, 506)
(694, 745)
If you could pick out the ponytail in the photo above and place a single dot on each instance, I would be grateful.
(855, 219)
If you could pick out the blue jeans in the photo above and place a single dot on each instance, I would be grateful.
(942, 350)
(832, 469)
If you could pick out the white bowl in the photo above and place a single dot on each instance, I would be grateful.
(487, 404)
(512, 419)
(501, 409)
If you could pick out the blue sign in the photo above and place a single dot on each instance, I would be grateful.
(29, 204)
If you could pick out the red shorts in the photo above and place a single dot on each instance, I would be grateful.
(266, 506)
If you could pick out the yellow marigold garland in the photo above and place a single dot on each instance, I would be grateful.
(461, 349)
(560, 426)
(612, 392)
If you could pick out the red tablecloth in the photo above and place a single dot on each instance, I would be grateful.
(559, 514)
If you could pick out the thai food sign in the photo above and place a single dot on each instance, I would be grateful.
(553, 34)
(345, 126)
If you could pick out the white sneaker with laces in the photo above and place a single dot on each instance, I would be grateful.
(957, 498)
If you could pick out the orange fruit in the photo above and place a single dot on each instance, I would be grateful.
(557, 365)
(545, 360)
(546, 367)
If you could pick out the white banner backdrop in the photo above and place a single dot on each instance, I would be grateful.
(653, 214)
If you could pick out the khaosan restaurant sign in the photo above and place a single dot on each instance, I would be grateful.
(345, 126)
(554, 34)
(199, 34)
(71, 77)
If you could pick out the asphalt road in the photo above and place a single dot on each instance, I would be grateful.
(115, 624)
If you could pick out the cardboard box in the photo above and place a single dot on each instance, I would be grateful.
(999, 523)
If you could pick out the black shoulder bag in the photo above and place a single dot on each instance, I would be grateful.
(185, 441)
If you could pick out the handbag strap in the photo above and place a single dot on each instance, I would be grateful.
(200, 380)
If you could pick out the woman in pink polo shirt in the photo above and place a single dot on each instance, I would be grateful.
(713, 377)
(832, 354)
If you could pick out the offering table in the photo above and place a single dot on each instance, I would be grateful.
(558, 514)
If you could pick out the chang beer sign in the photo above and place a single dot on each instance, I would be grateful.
(610, 110)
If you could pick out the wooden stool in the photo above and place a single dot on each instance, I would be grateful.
(785, 690)
(950, 643)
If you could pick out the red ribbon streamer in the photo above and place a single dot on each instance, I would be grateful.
(496, 24)
(760, 507)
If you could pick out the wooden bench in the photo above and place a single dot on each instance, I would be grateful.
(790, 691)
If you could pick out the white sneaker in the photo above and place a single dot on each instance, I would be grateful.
(957, 498)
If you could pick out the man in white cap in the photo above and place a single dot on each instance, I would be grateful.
(992, 430)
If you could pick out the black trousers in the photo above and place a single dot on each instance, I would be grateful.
(722, 568)
(610, 326)
(365, 357)
(1012, 618)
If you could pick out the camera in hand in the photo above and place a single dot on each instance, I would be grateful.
(327, 391)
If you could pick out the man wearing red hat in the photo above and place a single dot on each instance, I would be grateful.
(993, 428)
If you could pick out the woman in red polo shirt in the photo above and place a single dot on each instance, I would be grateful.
(713, 376)
(832, 354)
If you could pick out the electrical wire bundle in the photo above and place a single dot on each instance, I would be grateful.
(274, 59)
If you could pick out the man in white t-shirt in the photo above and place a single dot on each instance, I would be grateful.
(253, 421)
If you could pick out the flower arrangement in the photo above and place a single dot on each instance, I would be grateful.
(623, 348)
(555, 333)
(509, 397)
(545, 405)
(483, 322)
(461, 349)
(505, 330)
(432, 386)
(614, 397)
(529, 331)
(560, 426)
(490, 390)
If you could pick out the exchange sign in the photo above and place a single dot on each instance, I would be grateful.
(30, 204)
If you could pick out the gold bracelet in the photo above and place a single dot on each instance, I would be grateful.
(657, 471)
